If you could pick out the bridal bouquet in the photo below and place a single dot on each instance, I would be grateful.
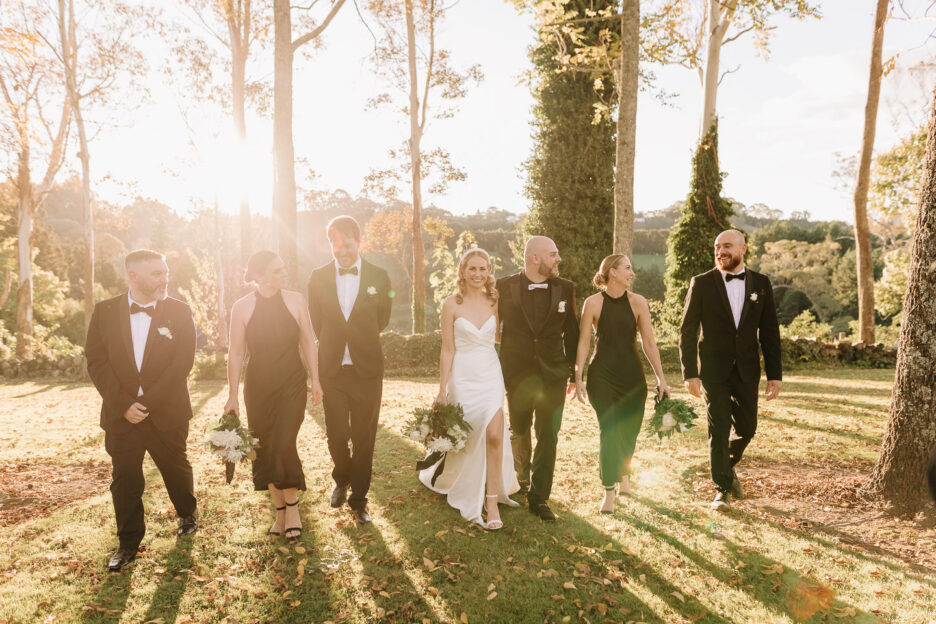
(232, 443)
(442, 428)
(670, 415)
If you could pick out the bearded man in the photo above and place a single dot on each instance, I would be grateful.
(734, 308)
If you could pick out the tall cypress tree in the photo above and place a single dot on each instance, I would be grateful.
(690, 245)
(570, 175)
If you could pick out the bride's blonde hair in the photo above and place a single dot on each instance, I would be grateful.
(490, 290)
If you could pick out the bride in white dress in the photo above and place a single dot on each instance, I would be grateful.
(482, 474)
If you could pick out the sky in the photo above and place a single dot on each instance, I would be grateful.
(782, 119)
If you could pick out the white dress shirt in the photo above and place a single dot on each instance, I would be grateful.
(735, 290)
(347, 286)
(139, 330)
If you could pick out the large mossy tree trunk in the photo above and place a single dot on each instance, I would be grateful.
(910, 437)
(570, 175)
(690, 245)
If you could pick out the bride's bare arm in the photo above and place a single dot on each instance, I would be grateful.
(448, 348)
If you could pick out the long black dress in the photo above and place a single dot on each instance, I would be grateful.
(617, 387)
(275, 393)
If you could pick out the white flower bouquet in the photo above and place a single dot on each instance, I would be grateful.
(232, 443)
(670, 416)
(442, 428)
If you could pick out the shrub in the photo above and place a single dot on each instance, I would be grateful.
(805, 325)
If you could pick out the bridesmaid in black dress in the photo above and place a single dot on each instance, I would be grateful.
(271, 326)
(616, 387)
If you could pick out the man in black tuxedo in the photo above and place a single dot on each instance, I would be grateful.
(349, 302)
(735, 309)
(140, 349)
(539, 335)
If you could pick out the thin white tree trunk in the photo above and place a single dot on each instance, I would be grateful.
(419, 285)
(717, 24)
(284, 156)
(24, 292)
(865, 268)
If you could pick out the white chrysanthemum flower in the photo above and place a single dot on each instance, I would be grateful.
(424, 431)
(683, 428)
(668, 421)
(414, 436)
(233, 456)
(440, 445)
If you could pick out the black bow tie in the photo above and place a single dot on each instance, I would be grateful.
(344, 271)
(136, 309)
(739, 276)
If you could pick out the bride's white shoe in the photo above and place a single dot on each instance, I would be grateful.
(493, 525)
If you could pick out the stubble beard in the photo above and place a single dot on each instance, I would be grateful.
(728, 265)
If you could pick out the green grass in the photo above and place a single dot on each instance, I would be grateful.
(663, 557)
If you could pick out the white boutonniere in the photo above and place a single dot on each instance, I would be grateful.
(164, 332)
(753, 297)
(371, 290)
(562, 307)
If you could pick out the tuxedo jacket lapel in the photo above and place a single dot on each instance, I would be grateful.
(723, 293)
(331, 293)
(156, 323)
(123, 311)
(748, 289)
(554, 296)
(516, 294)
(365, 273)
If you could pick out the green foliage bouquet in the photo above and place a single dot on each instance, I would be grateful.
(670, 415)
(442, 428)
(232, 443)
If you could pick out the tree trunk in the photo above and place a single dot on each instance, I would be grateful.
(713, 43)
(24, 293)
(862, 228)
(419, 268)
(284, 173)
(239, 52)
(67, 27)
(626, 81)
(219, 264)
(910, 435)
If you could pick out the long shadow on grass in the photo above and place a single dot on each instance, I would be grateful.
(473, 559)
(750, 579)
(850, 435)
(49, 386)
(168, 595)
(384, 567)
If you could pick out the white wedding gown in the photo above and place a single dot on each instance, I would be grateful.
(477, 384)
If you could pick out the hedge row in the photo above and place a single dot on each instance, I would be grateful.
(418, 356)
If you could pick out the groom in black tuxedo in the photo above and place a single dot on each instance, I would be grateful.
(539, 336)
(140, 349)
(349, 302)
(734, 307)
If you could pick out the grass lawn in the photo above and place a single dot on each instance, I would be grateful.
(798, 549)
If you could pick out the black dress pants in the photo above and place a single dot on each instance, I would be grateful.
(168, 450)
(352, 407)
(535, 403)
(732, 403)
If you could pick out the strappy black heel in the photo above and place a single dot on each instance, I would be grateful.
(271, 531)
(298, 529)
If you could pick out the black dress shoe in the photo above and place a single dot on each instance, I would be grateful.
(736, 490)
(122, 557)
(361, 516)
(722, 501)
(187, 525)
(339, 494)
(543, 511)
